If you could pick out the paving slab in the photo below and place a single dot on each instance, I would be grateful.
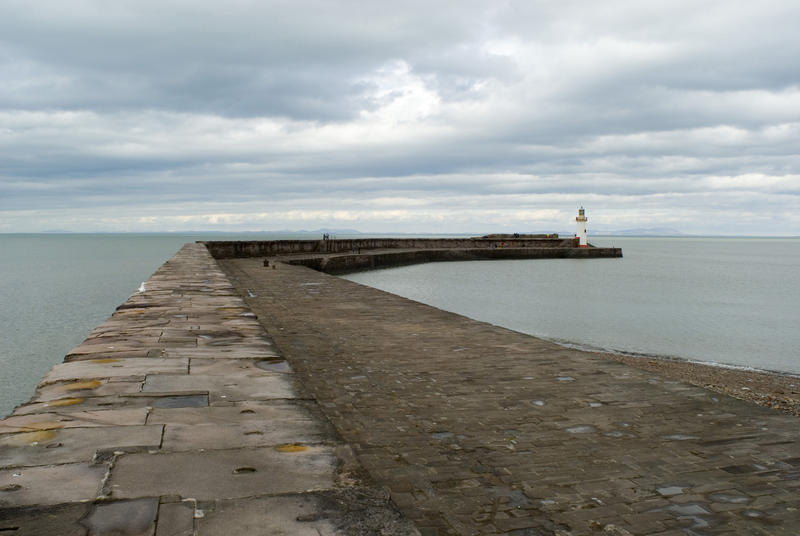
(77, 419)
(114, 367)
(124, 401)
(223, 352)
(265, 386)
(71, 445)
(249, 434)
(178, 519)
(50, 485)
(243, 412)
(86, 388)
(224, 474)
(129, 518)
(61, 520)
(232, 368)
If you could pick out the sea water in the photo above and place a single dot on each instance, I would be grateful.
(728, 301)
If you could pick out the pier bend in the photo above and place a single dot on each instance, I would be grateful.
(232, 397)
(339, 256)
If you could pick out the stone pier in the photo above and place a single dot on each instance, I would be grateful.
(178, 416)
(230, 397)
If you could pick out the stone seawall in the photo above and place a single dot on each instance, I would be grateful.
(342, 256)
(345, 263)
(266, 248)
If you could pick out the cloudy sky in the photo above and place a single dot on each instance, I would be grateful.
(400, 116)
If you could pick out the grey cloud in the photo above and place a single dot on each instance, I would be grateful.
(189, 104)
(303, 60)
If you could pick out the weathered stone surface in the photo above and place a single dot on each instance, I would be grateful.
(241, 412)
(123, 518)
(255, 434)
(50, 485)
(61, 520)
(332, 513)
(87, 388)
(71, 445)
(114, 367)
(477, 429)
(224, 474)
(232, 368)
(177, 519)
(221, 388)
(76, 419)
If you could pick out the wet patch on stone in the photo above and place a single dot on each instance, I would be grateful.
(181, 401)
(122, 517)
(739, 469)
(618, 434)
(689, 509)
(729, 498)
(273, 365)
(669, 491)
(754, 514)
(582, 429)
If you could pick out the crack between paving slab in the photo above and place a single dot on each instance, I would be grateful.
(105, 492)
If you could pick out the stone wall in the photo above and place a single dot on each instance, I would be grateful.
(264, 248)
(340, 264)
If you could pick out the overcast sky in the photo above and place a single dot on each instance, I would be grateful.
(400, 116)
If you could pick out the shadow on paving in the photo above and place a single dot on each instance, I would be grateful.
(477, 429)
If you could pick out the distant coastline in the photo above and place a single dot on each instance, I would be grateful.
(629, 233)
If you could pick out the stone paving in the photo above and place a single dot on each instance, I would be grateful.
(178, 416)
(477, 429)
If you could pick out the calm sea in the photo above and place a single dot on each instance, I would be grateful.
(731, 301)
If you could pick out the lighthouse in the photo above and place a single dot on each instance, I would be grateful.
(581, 234)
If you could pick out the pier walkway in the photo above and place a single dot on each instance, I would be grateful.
(476, 429)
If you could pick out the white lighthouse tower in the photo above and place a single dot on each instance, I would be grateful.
(581, 234)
